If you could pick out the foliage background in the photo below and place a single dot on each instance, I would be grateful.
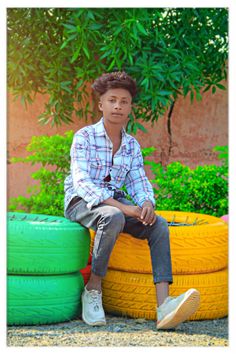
(171, 52)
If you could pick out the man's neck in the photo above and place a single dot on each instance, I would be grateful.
(113, 131)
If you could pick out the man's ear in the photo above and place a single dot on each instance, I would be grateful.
(100, 106)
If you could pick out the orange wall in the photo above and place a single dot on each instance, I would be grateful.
(196, 128)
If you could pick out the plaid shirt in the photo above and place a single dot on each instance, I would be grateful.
(91, 162)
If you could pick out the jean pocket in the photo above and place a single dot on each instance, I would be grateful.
(72, 208)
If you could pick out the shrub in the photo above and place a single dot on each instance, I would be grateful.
(203, 189)
(53, 154)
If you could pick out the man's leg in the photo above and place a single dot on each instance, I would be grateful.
(157, 236)
(159, 244)
(171, 311)
(108, 222)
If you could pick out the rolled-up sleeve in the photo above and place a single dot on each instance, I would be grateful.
(80, 171)
(137, 183)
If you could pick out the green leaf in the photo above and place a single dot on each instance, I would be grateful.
(165, 93)
(79, 84)
(106, 54)
(95, 26)
(85, 49)
(91, 15)
(66, 89)
(64, 44)
(72, 28)
(141, 28)
(207, 88)
(198, 96)
(141, 127)
(191, 96)
(66, 83)
(118, 30)
(130, 58)
(221, 86)
(111, 65)
(145, 83)
(75, 55)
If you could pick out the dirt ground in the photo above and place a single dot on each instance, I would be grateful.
(120, 331)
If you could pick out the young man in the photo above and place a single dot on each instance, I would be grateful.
(103, 159)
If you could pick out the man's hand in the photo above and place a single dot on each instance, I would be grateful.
(145, 214)
(132, 210)
(148, 216)
(129, 210)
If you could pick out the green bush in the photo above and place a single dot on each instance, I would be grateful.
(203, 189)
(177, 187)
(52, 152)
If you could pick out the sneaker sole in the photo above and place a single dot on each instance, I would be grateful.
(97, 323)
(186, 308)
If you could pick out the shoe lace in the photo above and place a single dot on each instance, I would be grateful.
(95, 298)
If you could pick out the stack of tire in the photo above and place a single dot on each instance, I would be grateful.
(199, 250)
(44, 257)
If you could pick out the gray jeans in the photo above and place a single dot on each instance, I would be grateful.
(109, 221)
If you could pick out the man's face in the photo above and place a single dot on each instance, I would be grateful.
(116, 105)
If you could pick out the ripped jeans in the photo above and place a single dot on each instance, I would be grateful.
(109, 221)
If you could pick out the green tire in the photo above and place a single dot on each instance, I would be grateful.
(43, 245)
(48, 299)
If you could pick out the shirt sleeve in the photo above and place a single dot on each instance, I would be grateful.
(137, 183)
(80, 171)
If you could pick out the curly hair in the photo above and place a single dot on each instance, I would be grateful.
(117, 79)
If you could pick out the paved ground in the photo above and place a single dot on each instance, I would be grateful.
(120, 331)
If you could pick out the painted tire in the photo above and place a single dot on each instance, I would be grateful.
(42, 244)
(225, 218)
(86, 273)
(43, 299)
(134, 294)
(201, 248)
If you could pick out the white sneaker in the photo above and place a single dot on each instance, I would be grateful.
(175, 310)
(92, 309)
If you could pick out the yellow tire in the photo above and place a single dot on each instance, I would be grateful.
(202, 248)
(134, 294)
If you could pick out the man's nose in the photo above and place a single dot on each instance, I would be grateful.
(117, 105)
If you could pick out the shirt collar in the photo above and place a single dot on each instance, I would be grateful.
(100, 128)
